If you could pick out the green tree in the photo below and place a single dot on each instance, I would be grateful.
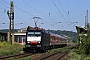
(84, 46)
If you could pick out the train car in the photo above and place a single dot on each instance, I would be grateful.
(57, 40)
(40, 40)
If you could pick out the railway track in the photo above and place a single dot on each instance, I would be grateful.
(54, 55)
(15, 56)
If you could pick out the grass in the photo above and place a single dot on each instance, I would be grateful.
(64, 49)
(87, 58)
(7, 49)
(75, 56)
(25, 58)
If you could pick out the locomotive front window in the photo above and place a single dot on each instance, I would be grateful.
(34, 33)
(31, 33)
(37, 33)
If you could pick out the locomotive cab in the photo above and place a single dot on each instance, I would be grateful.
(33, 40)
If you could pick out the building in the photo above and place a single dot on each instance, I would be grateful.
(3, 36)
(20, 37)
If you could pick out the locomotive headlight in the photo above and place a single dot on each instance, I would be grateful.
(28, 42)
(39, 42)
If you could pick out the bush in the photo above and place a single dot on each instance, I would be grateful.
(87, 58)
(74, 56)
(84, 46)
(8, 49)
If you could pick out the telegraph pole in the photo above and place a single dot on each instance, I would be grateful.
(11, 17)
(85, 23)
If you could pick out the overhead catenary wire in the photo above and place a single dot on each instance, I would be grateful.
(60, 13)
(49, 14)
(2, 7)
(68, 13)
(37, 10)
(62, 7)
(29, 13)
(79, 11)
(19, 8)
(25, 11)
(80, 6)
(40, 13)
(32, 0)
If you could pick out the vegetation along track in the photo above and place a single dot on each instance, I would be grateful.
(15, 56)
(53, 56)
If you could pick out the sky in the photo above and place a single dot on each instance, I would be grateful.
(53, 14)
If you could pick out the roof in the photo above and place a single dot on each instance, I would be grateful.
(82, 29)
(19, 33)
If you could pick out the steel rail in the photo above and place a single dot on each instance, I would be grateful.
(15, 56)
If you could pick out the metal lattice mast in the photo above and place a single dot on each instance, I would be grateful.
(11, 17)
(86, 20)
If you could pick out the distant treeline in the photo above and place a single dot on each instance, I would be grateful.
(68, 33)
(6, 30)
(71, 34)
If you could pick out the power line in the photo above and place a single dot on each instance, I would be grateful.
(61, 6)
(2, 7)
(64, 10)
(18, 8)
(49, 12)
(26, 11)
(60, 12)
(68, 12)
(80, 6)
(38, 12)
(32, 0)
